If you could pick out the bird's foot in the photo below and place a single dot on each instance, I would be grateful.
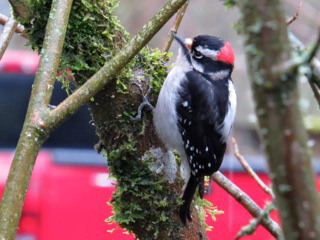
(209, 187)
(145, 103)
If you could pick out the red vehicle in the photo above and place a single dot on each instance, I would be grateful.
(70, 185)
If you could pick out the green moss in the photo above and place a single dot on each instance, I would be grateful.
(94, 34)
(154, 65)
(139, 189)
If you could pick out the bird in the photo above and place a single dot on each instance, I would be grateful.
(195, 110)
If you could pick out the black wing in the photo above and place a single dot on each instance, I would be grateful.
(202, 106)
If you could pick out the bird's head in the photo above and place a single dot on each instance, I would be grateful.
(207, 54)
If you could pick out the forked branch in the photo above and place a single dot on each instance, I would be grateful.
(248, 204)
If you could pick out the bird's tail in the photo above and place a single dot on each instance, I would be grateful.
(187, 199)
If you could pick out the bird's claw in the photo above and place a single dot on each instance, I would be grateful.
(145, 103)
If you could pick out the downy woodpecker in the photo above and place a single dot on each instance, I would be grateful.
(196, 109)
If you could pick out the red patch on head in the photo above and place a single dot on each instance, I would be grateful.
(226, 54)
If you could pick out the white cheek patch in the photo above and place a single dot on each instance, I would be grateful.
(220, 74)
(207, 52)
(197, 66)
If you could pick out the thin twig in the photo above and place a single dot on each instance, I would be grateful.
(6, 34)
(296, 15)
(314, 87)
(254, 223)
(248, 204)
(249, 170)
(19, 29)
(175, 27)
(314, 49)
(315, 63)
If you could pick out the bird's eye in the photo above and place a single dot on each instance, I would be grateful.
(197, 54)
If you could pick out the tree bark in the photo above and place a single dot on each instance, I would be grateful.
(281, 127)
(21, 7)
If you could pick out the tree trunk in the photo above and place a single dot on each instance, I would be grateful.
(281, 126)
(148, 192)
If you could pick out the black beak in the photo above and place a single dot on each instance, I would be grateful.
(185, 43)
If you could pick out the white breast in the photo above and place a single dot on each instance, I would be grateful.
(165, 116)
(229, 118)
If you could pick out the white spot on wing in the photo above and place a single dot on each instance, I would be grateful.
(185, 104)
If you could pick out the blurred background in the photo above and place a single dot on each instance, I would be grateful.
(202, 17)
(212, 18)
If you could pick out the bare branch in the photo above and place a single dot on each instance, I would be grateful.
(315, 64)
(314, 76)
(175, 27)
(314, 89)
(296, 15)
(305, 58)
(33, 133)
(254, 223)
(3, 19)
(19, 29)
(249, 170)
(313, 50)
(107, 72)
(6, 34)
(248, 204)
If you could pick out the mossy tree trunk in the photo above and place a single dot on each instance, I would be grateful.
(281, 125)
(146, 199)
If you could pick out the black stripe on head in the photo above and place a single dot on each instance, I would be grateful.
(210, 42)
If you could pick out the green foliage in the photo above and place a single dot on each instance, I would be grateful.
(141, 199)
(204, 207)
